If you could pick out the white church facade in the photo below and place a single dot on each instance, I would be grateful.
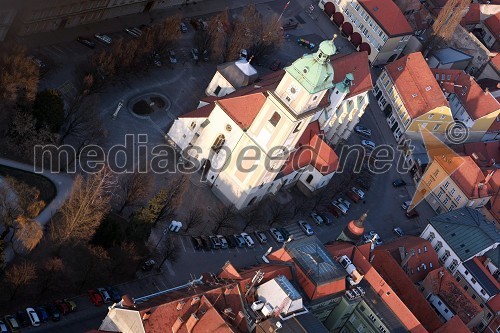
(253, 137)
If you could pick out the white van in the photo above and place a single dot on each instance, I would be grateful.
(35, 321)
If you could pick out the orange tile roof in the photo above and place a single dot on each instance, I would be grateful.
(388, 16)
(494, 303)
(357, 64)
(477, 102)
(472, 16)
(311, 149)
(493, 25)
(412, 77)
(485, 154)
(424, 255)
(443, 284)
(243, 109)
(467, 176)
(454, 325)
(396, 277)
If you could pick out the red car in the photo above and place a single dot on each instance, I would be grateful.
(412, 214)
(334, 210)
(353, 196)
(95, 297)
(62, 306)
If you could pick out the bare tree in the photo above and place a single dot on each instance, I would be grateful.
(124, 258)
(194, 218)
(223, 217)
(29, 233)
(51, 270)
(85, 208)
(278, 213)
(217, 32)
(252, 217)
(19, 275)
(298, 206)
(168, 251)
(447, 21)
(95, 264)
(132, 189)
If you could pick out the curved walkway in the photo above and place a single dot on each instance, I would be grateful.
(63, 183)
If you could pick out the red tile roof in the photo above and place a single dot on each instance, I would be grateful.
(477, 103)
(311, 149)
(485, 154)
(202, 112)
(357, 64)
(399, 281)
(424, 256)
(412, 77)
(443, 284)
(494, 303)
(454, 325)
(388, 16)
(243, 109)
(472, 16)
(493, 25)
(495, 61)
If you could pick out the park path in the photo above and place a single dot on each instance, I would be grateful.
(63, 183)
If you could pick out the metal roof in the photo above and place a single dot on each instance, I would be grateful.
(481, 277)
(315, 261)
(466, 231)
(239, 73)
(451, 55)
(287, 287)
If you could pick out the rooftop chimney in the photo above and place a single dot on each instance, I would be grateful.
(407, 258)
(195, 300)
(488, 177)
(177, 325)
(127, 302)
(180, 305)
(146, 315)
(191, 322)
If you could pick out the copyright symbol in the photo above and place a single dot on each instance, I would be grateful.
(456, 132)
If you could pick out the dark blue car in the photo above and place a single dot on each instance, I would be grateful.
(42, 313)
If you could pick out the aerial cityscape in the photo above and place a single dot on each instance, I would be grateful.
(249, 166)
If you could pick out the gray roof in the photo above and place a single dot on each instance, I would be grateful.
(239, 73)
(287, 287)
(466, 231)
(451, 55)
(315, 261)
(304, 323)
(481, 277)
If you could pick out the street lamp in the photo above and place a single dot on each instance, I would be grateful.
(119, 106)
(287, 241)
(165, 232)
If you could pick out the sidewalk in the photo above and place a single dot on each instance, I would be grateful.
(201, 8)
(63, 184)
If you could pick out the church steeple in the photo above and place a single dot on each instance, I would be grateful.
(354, 230)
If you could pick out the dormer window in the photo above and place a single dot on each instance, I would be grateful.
(275, 119)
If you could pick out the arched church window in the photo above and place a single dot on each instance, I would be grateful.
(275, 119)
(218, 143)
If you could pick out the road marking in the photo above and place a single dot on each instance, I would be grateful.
(182, 242)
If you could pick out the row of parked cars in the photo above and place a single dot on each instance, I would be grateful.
(106, 295)
(341, 205)
(37, 315)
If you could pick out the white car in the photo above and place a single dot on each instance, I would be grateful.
(3, 327)
(105, 295)
(360, 193)
(35, 321)
(406, 204)
(172, 57)
(223, 242)
(340, 207)
(278, 237)
(344, 202)
(103, 38)
(317, 218)
(363, 130)
(134, 32)
(175, 226)
(368, 144)
(306, 228)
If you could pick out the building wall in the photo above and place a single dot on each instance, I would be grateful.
(465, 278)
(452, 261)
(219, 81)
(489, 72)
(382, 45)
(481, 126)
(489, 38)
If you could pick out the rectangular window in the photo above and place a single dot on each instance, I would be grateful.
(436, 127)
(438, 246)
(452, 191)
(445, 201)
(473, 280)
(425, 248)
(445, 256)
(446, 184)
(457, 199)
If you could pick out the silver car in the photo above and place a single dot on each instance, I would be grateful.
(360, 193)
(278, 237)
(306, 228)
(340, 207)
(103, 38)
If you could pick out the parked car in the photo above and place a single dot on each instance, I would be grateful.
(240, 241)
(62, 306)
(87, 42)
(353, 196)
(104, 295)
(53, 313)
(412, 214)
(103, 38)
(343, 209)
(278, 237)
(248, 240)
(207, 243)
(95, 297)
(12, 323)
(116, 295)
(172, 57)
(71, 304)
(3, 327)
(42, 313)
(334, 210)
(195, 54)
(284, 232)
(37, 62)
(363, 130)
(214, 242)
(398, 231)
(344, 202)
(406, 204)
(33, 317)
(368, 144)
(244, 54)
(148, 265)
(306, 228)
(261, 237)
(205, 56)
(197, 244)
(231, 242)
(275, 65)
(175, 226)
(134, 32)
(183, 27)
(398, 183)
(360, 193)
(23, 319)
(365, 185)
(317, 218)
(327, 217)
(196, 24)
(222, 241)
